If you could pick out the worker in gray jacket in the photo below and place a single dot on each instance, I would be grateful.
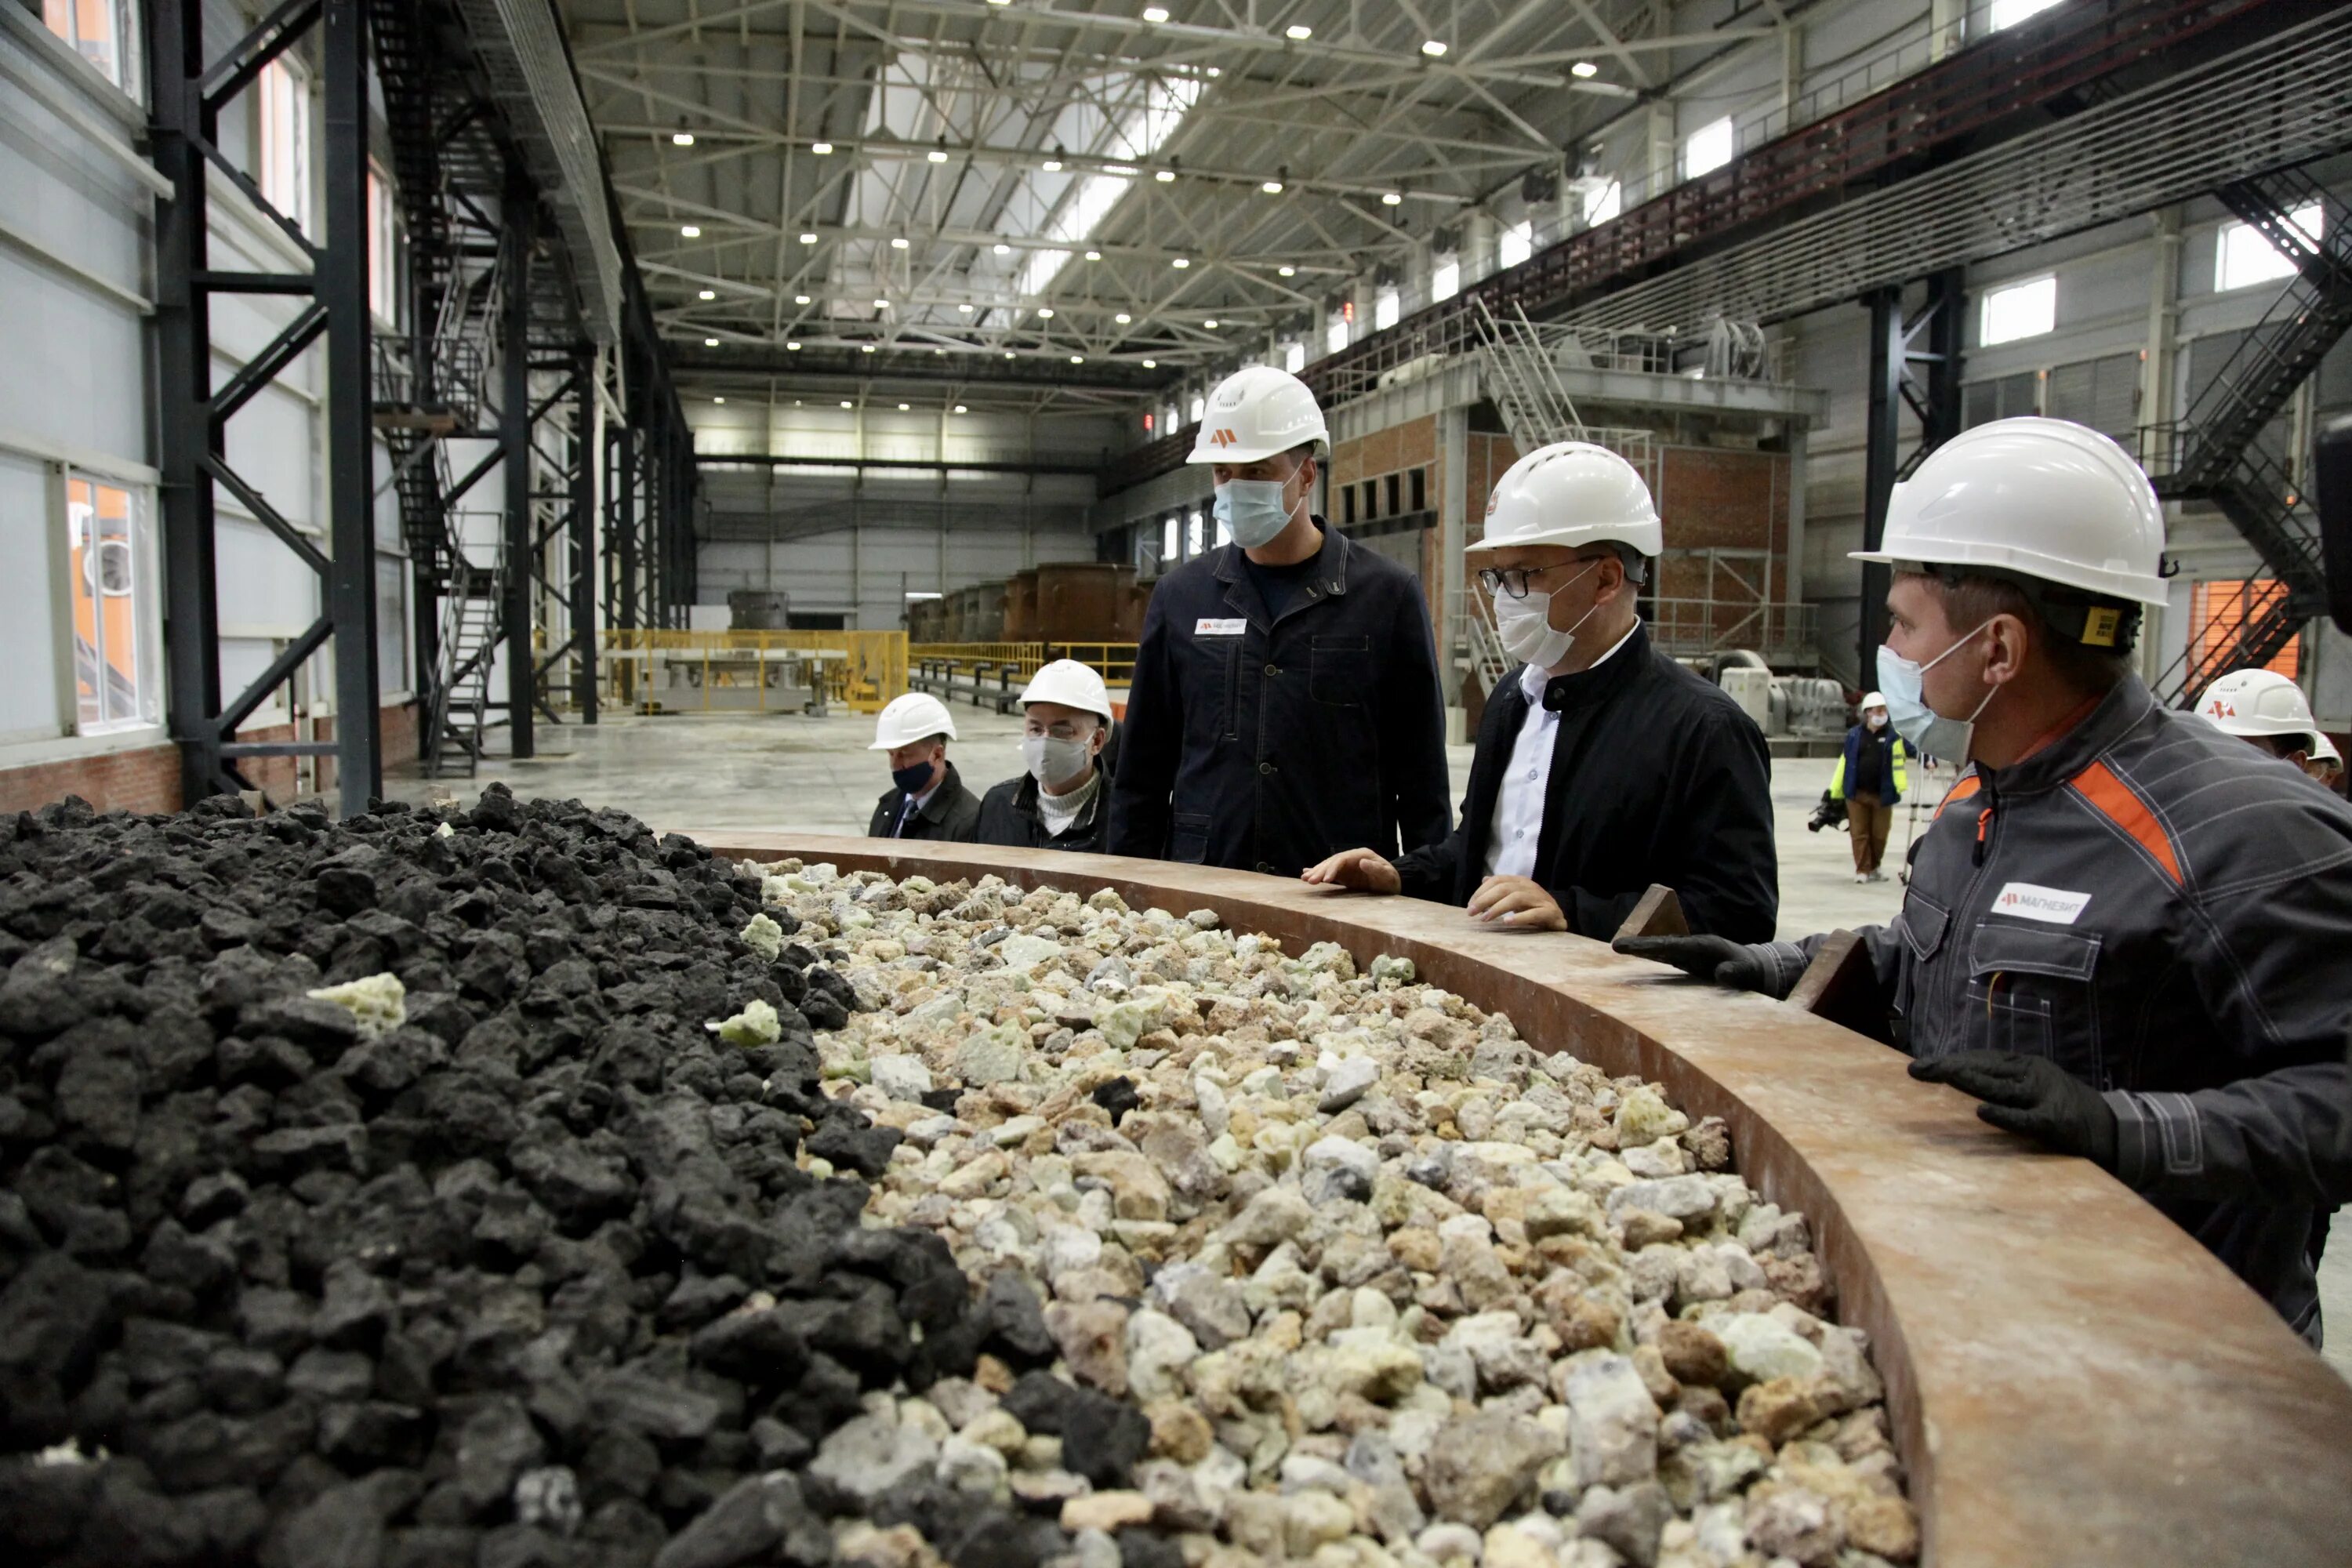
(2125, 930)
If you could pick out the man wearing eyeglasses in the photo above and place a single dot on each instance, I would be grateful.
(1602, 765)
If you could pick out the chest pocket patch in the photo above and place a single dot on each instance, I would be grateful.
(1339, 669)
(2030, 992)
(1922, 921)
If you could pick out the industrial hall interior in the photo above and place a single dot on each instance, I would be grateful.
(1073, 783)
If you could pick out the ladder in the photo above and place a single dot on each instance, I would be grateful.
(472, 622)
(1522, 373)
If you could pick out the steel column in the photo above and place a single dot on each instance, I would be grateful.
(626, 529)
(1926, 381)
(340, 285)
(514, 435)
(583, 539)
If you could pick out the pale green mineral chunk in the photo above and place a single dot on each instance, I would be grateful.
(379, 1002)
(766, 937)
(756, 1024)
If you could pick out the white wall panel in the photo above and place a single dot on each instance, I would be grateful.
(28, 626)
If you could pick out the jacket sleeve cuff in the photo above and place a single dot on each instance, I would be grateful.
(2158, 1137)
(1786, 960)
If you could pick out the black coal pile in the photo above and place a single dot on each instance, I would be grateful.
(532, 1277)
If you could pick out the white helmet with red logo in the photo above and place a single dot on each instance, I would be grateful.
(1254, 413)
(2257, 702)
(1571, 493)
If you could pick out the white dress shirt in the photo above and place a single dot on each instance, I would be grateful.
(1519, 800)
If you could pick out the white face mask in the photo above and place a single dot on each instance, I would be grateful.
(1253, 510)
(1053, 761)
(1904, 683)
(1525, 629)
(1875, 719)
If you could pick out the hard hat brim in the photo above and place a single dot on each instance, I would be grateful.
(2043, 568)
(1571, 535)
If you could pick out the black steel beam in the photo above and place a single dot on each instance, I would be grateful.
(926, 465)
(1927, 379)
(970, 366)
(342, 288)
(514, 431)
(626, 529)
(583, 540)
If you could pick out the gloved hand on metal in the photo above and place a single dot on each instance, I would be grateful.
(2032, 1096)
(1715, 958)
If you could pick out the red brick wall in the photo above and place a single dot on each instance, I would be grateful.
(147, 779)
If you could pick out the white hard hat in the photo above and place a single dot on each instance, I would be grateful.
(916, 716)
(1571, 493)
(2323, 749)
(2257, 702)
(2046, 499)
(1071, 684)
(1257, 412)
(1871, 699)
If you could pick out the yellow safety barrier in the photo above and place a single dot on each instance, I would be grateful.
(1114, 661)
(731, 670)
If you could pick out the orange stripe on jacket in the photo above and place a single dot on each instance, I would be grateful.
(1959, 792)
(2099, 786)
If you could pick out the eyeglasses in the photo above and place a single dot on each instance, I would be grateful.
(1513, 581)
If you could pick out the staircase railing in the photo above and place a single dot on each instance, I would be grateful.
(472, 624)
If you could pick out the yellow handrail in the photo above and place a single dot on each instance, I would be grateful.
(1114, 661)
(872, 670)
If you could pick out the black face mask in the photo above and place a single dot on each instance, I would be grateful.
(912, 780)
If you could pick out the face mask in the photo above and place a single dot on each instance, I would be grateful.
(1877, 721)
(1902, 682)
(912, 780)
(1253, 510)
(1054, 763)
(1525, 629)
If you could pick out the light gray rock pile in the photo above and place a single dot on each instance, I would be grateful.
(1390, 1286)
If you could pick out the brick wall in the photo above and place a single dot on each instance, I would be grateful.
(147, 778)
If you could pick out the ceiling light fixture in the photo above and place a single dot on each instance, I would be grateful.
(1286, 271)
(847, 403)
(1155, 13)
(1001, 248)
(866, 348)
(681, 139)
(799, 298)
(1272, 188)
(940, 351)
(938, 154)
(1434, 49)
(690, 230)
(897, 242)
(791, 345)
(718, 400)
(1211, 323)
(1584, 70)
(1214, 73)
(1094, 255)
(1124, 169)
(708, 294)
(710, 343)
(1166, 176)
(1046, 314)
(902, 408)
(1008, 354)
(1298, 32)
(1053, 164)
(881, 304)
(1392, 198)
(1151, 364)
(822, 149)
(965, 308)
(1122, 318)
(960, 408)
(1077, 359)
(808, 239)
(1180, 263)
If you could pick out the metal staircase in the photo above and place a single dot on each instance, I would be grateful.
(2216, 454)
(1478, 646)
(1522, 361)
(457, 706)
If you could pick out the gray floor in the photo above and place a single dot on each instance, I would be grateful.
(789, 772)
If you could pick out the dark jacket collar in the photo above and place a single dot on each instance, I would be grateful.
(2126, 708)
(1328, 574)
(1567, 693)
(935, 810)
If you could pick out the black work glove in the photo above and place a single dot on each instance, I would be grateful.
(2032, 1095)
(1715, 958)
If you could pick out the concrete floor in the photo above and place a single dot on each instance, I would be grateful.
(792, 772)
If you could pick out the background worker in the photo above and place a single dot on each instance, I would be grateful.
(2124, 932)
(1285, 701)
(1602, 765)
(926, 799)
(1870, 779)
(1060, 802)
(2265, 709)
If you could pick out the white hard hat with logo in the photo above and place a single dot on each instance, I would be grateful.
(2257, 702)
(1071, 684)
(915, 717)
(2044, 498)
(1871, 699)
(1571, 493)
(1254, 413)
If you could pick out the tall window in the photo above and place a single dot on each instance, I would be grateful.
(1604, 203)
(2220, 612)
(1710, 148)
(1200, 406)
(1335, 336)
(103, 32)
(2024, 310)
(1445, 279)
(1193, 535)
(1170, 543)
(1518, 243)
(383, 248)
(1293, 356)
(284, 94)
(116, 683)
(1385, 309)
(2010, 13)
(2244, 256)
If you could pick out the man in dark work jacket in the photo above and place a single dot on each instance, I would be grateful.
(1286, 700)
(1602, 765)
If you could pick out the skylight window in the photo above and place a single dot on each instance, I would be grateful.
(1139, 131)
(2024, 310)
(2244, 256)
(1710, 148)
